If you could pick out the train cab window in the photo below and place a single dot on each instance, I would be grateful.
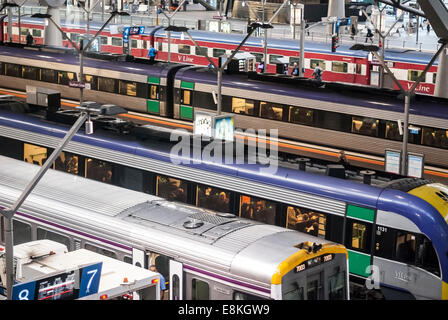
(271, 111)
(37, 33)
(99, 250)
(314, 62)
(21, 232)
(301, 116)
(392, 131)
(64, 77)
(127, 88)
(305, 220)
(237, 295)
(405, 247)
(257, 209)
(435, 138)
(171, 189)
(153, 92)
(365, 126)
(185, 49)
(13, 70)
(213, 198)
(414, 74)
(186, 97)
(218, 52)
(336, 286)
(48, 75)
(200, 290)
(50, 235)
(117, 42)
(98, 170)
(359, 234)
(202, 51)
(338, 66)
(34, 154)
(67, 162)
(427, 256)
(30, 73)
(243, 106)
(107, 84)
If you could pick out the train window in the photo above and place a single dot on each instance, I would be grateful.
(30, 73)
(293, 60)
(127, 88)
(171, 189)
(426, 256)
(273, 58)
(392, 131)
(98, 170)
(213, 198)
(338, 66)
(205, 100)
(11, 148)
(99, 250)
(358, 68)
(237, 295)
(34, 154)
(301, 116)
(153, 92)
(202, 51)
(314, 289)
(67, 162)
(182, 48)
(271, 110)
(91, 80)
(21, 232)
(103, 40)
(162, 264)
(218, 52)
(13, 70)
(434, 77)
(295, 294)
(365, 126)
(186, 97)
(48, 75)
(2, 230)
(64, 77)
(74, 37)
(50, 235)
(258, 56)
(107, 84)
(405, 247)
(199, 290)
(243, 106)
(134, 43)
(159, 46)
(257, 209)
(127, 259)
(37, 33)
(2, 68)
(414, 74)
(315, 62)
(117, 42)
(176, 287)
(336, 285)
(435, 138)
(359, 234)
(133, 178)
(24, 31)
(305, 220)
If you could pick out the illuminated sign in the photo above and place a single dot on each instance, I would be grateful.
(415, 165)
(314, 262)
(392, 161)
(224, 128)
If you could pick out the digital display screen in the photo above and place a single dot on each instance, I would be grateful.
(314, 262)
(224, 128)
(60, 287)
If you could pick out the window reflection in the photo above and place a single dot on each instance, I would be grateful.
(213, 198)
(186, 97)
(128, 88)
(257, 209)
(358, 236)
(67, 162)
(338, 66)
(65, 77)
(171, 189)
(34, 154)
(365, 126)
(99, 170)
(301, 115)
(271, 111)
(243, 106)
(304, 220)
(154, 92)
(435, 138)
(405, 248)
(392, 131)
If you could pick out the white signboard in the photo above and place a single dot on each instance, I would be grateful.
(415, 165)
(224, 128)
(203, 124)
(392, 161)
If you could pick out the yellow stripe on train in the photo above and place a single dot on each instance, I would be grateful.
(301, 256)
(435, 194)
(444, 290)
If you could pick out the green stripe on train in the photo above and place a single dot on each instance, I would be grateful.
(360, 213)
(186, 112)
(154, 80)
(153, 106)
(358, 263)
(187, 85)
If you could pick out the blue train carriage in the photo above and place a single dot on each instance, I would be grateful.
(362, 120)
(203, 254)
(140, 87)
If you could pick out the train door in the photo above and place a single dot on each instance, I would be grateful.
(176, 280)
(139, 258)
(374, 75)
(314, 287)
(360, 71)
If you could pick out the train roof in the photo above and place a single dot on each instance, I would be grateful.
(381, 99)
(225, 242)
(70, 57)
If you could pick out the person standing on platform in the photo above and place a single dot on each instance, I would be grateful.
(317, 73)
(343, 159)
(162, 281)
(29, 39)
(261, 67)
(152, 54)
(295, 70)
(369, 35)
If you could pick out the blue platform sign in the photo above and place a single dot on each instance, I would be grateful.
(90, 279)
(24, 291)
(142, 30)
(126, 32)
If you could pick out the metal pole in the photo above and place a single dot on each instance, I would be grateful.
(169, 40)
(9, 24)
(20, 26)
(294, 22)
(9, 213)
(302, 47)
(407, 99)
(219, 107)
